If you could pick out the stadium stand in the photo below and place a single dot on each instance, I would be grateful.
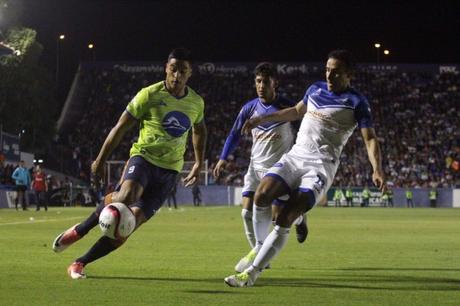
(415, 109)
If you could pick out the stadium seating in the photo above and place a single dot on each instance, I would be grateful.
(415, 112)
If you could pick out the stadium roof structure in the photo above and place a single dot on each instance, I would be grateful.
(5, 49)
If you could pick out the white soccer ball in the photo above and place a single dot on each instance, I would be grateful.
(117, 221)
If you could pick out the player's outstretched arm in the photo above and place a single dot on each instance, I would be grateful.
(199, 134)
(375, 157)
(288, 114)
(232, 140)
(125, 123)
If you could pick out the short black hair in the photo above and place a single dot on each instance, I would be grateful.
(345, 57)
(266, 69)
(182, 54)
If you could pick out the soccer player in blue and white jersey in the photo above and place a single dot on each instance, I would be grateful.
(269, 142)
(330, 112)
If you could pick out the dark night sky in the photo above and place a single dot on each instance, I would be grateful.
(242, 30)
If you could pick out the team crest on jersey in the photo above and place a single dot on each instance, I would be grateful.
(176, 123)
(278, 165)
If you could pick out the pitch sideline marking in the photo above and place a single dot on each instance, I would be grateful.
(41, 221)
(73, 218)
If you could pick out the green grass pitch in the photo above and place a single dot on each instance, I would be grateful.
(353, 256)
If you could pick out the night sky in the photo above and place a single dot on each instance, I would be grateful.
(240, 30)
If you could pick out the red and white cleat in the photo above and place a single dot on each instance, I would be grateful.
(75, 270)
(65, 239)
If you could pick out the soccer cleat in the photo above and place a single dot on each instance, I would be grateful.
(302, 230)
(75, 270)
(244, 279)
(246, 261)
(65, 239)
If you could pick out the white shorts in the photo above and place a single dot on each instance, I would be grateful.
(304, 173)
(252, 179)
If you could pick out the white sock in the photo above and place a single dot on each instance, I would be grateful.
(261, 220)
(248, 227)
(273, 244)
(298, 220)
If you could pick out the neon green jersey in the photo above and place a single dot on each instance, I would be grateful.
(409, 195)
(338, 194)
(164, 125)
(366, 193)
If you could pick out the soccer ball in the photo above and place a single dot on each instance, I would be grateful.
(117, 221)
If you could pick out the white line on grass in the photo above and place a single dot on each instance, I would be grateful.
(181, 210)
(40, 221)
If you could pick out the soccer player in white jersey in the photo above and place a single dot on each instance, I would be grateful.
(330, 111)
(269, 142)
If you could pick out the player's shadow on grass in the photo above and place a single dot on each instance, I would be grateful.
(159, 279)
(174, 279)
(399, 269)
(366, 282)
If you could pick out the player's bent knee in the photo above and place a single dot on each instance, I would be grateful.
(269, 189)
(126, 196)
(262, 198)
(108, 198)
(287, 217)
(306, 200)
(129, 193)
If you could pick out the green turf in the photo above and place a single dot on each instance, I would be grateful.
(354, 256)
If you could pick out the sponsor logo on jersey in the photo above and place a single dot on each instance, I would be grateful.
(319, 115)
(278, 165)
(176, 123)
(131, 169)
(264, 136)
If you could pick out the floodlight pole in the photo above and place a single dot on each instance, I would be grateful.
(57, 62)
(58, 39)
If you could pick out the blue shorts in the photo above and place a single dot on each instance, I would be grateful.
(157, 182)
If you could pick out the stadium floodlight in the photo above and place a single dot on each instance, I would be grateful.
(386, 52)
(377, 48)
(90, 46)
(61, 37)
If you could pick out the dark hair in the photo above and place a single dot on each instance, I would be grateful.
(181, 54)
(345, 57)
(266, 69)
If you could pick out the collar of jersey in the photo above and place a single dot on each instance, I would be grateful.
(177, 98)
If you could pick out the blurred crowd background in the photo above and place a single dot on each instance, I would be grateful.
(416, 116)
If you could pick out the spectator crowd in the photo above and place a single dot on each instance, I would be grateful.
(416, 116)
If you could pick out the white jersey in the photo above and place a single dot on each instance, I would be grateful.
(269, 140)
(329, 122)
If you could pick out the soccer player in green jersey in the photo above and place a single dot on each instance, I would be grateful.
(164, 113)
